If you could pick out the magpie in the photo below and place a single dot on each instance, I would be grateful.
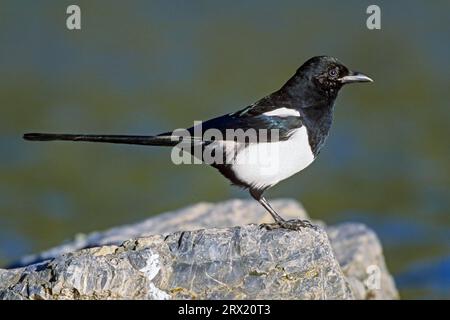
(300, 112)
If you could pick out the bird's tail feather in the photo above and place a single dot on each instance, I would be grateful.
(165, 140)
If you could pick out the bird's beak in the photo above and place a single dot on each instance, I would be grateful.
(354, 76)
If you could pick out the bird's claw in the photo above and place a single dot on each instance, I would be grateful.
(269, 226)
(297, 224)
(294, 224)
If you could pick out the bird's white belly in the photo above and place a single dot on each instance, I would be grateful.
(265, 164)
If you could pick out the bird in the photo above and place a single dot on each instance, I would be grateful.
(296, 121)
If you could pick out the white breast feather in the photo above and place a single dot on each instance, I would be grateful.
(265, 164)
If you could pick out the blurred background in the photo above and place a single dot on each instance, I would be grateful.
(141, 67)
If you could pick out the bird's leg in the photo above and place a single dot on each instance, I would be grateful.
(278, 219)
(295, 224)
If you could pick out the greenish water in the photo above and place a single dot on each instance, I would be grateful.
(145, 67)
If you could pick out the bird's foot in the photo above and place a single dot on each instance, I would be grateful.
(269, 226)
(294, 224)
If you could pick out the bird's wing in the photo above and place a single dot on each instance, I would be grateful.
(251, 120)
(273, 112)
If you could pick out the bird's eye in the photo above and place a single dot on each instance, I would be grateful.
(333, 73)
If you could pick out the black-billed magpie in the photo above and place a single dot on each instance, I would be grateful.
(295, 121)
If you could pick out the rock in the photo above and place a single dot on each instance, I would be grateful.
(360, 256)
(200, 253)
(199, 216)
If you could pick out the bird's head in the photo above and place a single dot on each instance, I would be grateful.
(323, 75)
(329, 74)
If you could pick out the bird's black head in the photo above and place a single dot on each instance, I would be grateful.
(323, 75)
(328, 73)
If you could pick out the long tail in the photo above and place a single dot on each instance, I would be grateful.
(165, 140)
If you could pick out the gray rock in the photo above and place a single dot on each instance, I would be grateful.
(181, 255)
(360, 256)
(199, 216)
